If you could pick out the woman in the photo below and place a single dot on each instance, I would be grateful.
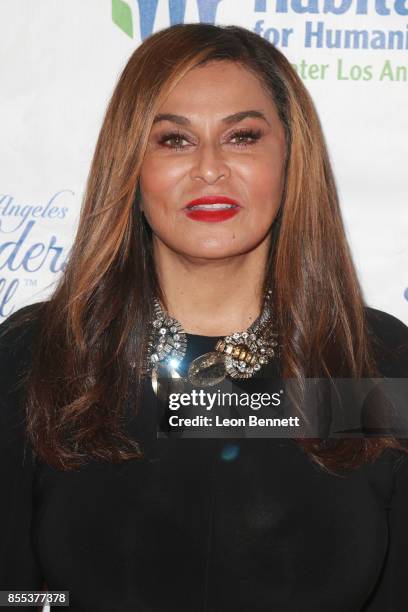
(127, 520)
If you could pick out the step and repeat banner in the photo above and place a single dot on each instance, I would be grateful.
(62, 58)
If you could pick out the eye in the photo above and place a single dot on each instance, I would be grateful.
(174, 137)
(245, 137)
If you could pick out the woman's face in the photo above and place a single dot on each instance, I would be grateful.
(224, 139)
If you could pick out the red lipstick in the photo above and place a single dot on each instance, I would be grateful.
(212, 209)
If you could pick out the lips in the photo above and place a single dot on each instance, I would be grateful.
(212, 209)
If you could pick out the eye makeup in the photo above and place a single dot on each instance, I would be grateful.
(252, 136)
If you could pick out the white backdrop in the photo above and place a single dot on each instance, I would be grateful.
(61, 60)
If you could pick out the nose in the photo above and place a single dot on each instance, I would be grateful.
(209, 164)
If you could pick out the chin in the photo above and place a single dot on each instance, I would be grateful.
(212, 251)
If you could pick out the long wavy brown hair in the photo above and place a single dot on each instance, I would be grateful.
(96, 322)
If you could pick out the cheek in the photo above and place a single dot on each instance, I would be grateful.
(159, 218)
(162, 191)
(159, 176)
(264, 183)
(265, 167)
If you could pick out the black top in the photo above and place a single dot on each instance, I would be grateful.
(194, 527)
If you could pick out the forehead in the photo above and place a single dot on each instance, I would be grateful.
(217, 88)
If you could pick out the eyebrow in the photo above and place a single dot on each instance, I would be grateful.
(235, 118)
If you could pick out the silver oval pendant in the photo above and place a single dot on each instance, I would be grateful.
(207, 370)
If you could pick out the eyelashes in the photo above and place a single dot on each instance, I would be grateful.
(247, 133)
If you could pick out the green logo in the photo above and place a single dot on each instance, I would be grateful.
(122, 16)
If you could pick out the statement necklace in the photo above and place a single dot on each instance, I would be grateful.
(238, 355)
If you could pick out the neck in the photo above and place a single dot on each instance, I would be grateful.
(212, 297)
